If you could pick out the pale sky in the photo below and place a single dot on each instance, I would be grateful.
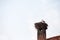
(17, 18)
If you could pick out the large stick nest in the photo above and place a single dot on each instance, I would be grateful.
(41, 26)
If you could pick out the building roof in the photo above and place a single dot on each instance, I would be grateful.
(54, 38)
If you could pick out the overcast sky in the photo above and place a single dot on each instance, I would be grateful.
(17, 18)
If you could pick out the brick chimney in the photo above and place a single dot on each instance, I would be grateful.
(41, 30)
